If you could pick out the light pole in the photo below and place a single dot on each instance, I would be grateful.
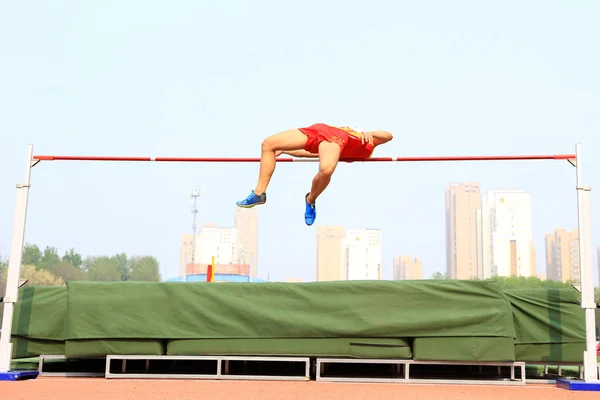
(194, 194)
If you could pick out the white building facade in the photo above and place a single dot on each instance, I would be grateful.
(362, 254)
(505, 234)
(220, 243)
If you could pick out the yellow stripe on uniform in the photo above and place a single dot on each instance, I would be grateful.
(350, 131)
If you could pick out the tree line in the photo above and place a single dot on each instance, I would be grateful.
(48, 268)
(522, 282)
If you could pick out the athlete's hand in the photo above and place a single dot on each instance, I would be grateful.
(366, 137)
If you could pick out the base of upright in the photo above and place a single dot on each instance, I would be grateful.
(577, 385)
(18, 375)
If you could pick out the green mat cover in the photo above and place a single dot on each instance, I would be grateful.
(350, 309)
(550, 352)
(25, 347)
(450, 320)
(325, 347)
(96, 348)
(549, 324)
(39, 321)
(40, 313)
(464, 349)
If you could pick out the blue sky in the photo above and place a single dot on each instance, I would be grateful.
(191, 78)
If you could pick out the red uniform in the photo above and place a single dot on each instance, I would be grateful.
(347, 138)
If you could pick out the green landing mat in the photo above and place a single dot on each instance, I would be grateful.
(98, 348)
(40, 313)
(549, 324)
(39, 321)
(25, 347)
(464, 349)
(327, 347)
(550, 352)
(348, 309)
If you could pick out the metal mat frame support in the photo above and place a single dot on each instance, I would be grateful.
(220, 372)
(321, 362)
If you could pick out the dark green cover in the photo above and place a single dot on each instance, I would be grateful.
(40, 313)
(96, 348)
(549, 324)
(464, 349)
(351, 309)
(550, 352)
(547, 315)
(25, 347)
(324, 347)
(39, 321)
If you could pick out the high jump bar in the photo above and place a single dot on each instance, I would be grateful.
(288, 159)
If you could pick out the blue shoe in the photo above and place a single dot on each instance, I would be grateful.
(311, 212)
(252, 200)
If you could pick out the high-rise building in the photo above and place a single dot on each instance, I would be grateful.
(562, 256)
(185, 252)
(220, 243)
(533, 259)
(542, 277)
(330, 253)
(406, 268)
(506, 234)
(363, 254)
(462, 202)
(246, 223)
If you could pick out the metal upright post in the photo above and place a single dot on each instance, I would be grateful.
(590, 364)
(14, 265)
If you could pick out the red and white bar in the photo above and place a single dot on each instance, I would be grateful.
(288, 159)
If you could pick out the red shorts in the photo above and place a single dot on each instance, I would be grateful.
(318, 133)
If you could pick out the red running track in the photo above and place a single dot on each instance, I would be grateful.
(149, 389)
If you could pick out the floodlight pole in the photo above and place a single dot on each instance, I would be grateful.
(14, 264)
(584, 226)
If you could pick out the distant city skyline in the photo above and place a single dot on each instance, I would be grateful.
(234, 249)
(407, 268)
(348, 254)
(503, 244)
(504, 239)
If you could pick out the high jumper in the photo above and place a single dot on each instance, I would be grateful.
(328, 143)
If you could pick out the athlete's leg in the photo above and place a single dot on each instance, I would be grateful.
(329, 155)
(288, 140)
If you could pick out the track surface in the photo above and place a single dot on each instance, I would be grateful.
(146, 389)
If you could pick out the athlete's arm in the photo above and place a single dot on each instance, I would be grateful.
(381, 137)
(301, 154)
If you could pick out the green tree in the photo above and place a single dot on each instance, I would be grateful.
(50, 258)
(72, 258)
(145, 268)
(439, 276)
(41, 277)
(32, 254)
(68, 272)
(102, 269)
(123, 265)
(529, 283)
(3, 274)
